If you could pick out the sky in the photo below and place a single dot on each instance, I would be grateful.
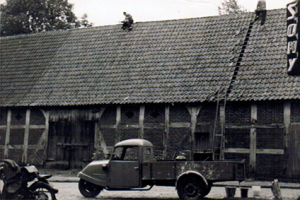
(109, 12)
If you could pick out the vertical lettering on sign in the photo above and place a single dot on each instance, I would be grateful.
(292, 10)
(292, 37)
(292, 30)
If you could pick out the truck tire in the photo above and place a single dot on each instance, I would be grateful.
(191, 188)
(208, 189)
(88, 189)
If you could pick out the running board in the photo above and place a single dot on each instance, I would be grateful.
(131, 189)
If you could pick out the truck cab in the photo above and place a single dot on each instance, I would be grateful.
(124, 168)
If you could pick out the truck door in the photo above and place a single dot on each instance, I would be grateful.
(124, 168)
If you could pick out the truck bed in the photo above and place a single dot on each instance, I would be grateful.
(212, 170)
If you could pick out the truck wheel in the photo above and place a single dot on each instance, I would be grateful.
(88, 189)
(208, 189)
(191, 188)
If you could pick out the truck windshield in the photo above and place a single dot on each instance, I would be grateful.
(125, 153)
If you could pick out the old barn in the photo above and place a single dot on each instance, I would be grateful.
(218, 86)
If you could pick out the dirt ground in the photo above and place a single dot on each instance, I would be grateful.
(66, 182)
(69, 191)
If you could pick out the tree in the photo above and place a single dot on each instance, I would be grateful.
(231, 7)
(85, 22)
(30, 16)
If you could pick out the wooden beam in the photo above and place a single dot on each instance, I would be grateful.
(194, 111)
(7, 135)
(166, 132)
(222, 117)
(46, 135)
(98, 137)
(287, 113)
(253, 140)
(286, 120)
(258, 151)
(266, 126)
(253, 149)
(23, 127)
(26, 137)
(237, 150)
(118, 121)
(153, 125)
(20, 146)
(180, 125)
(141, 121)
(253, 113)
(270, 151)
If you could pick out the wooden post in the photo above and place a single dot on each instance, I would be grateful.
(118, 121)
(222, 124)
(26, 137)
(7, 134)
(286, 120)
(98, 135)
(253, 149)
(253, 113)
(141, 121)
(222, 117)
(194, 111)
(166, 133)
(47, 119)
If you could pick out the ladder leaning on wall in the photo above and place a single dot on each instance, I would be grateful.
(218, 139)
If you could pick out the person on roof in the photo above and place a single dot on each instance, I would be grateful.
(261, 11)
(261, 6)
(128, 21)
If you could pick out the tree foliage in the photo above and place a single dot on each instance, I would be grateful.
(85, 22)
(231, 7)
(30, 16)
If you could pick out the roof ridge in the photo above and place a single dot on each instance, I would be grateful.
(137, 22)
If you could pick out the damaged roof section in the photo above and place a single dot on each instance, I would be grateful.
(175, 61)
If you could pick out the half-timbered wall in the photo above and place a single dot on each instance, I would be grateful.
(23, 133)
(266, 134)
(260, 132)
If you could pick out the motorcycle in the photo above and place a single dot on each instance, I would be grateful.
(16, 179)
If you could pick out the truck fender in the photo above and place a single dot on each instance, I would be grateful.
(190, 172)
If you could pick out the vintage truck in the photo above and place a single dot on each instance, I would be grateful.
(132, 167)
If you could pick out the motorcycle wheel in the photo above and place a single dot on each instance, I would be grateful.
(88, 189)
(42, 191)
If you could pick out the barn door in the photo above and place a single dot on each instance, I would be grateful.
(71, 144)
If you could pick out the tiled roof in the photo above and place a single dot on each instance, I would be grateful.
(185, 61)
(263, 71)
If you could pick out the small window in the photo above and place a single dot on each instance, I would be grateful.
(118, 153)
(147, 154)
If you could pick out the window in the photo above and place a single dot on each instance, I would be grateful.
(147, 154)
(131, 153)
(125, 153)
(118, 153)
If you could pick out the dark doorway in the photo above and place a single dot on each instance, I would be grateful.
(202, 141)
(203, 147)
(70, 144)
